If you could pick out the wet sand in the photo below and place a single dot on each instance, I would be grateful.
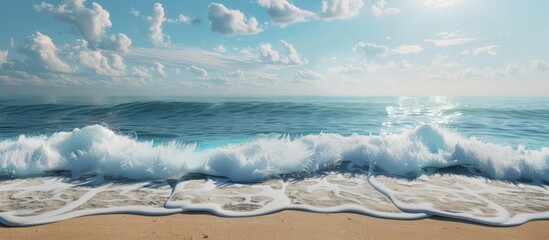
(281, 225)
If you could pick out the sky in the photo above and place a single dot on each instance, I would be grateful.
(274, 47)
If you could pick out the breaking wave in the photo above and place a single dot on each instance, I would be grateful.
(98, 150)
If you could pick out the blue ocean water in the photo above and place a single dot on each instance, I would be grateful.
(217, 121)
(320, 140)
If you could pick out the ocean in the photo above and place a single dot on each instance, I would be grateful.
(479, 159)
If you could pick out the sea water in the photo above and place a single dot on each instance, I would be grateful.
(481, 159)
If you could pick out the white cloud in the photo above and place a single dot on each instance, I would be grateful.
(340, 9)
(370, 49)
(391, 11)
(308, 74)
(285, 13)
(269, 55)
(198, 71)
(118, 62)
(450, 39)
(220, 49)
(159, 69)
(246, 51)
(438, 3)
(490, 50)
(141, 72)
(116, 42)
(369, 67)
(450, 42)
(379, 8)
(42, 52)
(135, 12)
(350, 69)
(230, 22)
(291, 53)
(180, 56)
(94, 60)
(440, 61)
(539, 65)
(155, 26)
(238, 74)
(91, 22)
(407, 49)
(184, 19)
(3, 57)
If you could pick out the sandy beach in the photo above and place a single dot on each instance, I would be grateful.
(282, 225)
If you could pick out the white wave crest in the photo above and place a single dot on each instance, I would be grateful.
(97, 150)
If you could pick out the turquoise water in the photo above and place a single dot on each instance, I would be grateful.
(505, 127)
(217, 121)
(477, 158)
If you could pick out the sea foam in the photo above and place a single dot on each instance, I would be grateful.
(97, 150)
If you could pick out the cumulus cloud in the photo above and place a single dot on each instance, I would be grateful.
(450, 42)
(450, 39)
(3, 57)
(141, 72)
(379, 8)
(370, 49)
(308, 74)
(42, 52)
(539, 65)
(198, 71)
(407, 49)
(184, 19)
(155, 26)
(97, 62)
(118, 62)
(116, 42)
(291, 54)
(90, 22)
(268, 54)
(285, 13)
(340, 9)
(159, 69)
(230, 22)
(238, 74)
(490, 50)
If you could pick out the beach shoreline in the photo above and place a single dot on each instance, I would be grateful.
(289, 224)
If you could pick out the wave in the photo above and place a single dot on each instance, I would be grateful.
(96, 149)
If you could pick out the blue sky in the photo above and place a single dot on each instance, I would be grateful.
(274, 47)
